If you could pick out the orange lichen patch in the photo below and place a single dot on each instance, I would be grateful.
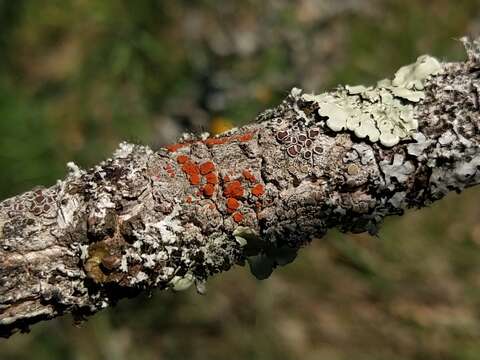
(216, 141)
(226, 178)
(190, 168)
(245, 137)
(237, 217)
(211, 178)
(211, 206)
(181, 159)
(232, 204)
(248, 175)
(227, 139)
(175, 147)
(233, 189)
(258, 190)
(188, 199)
(194, 179)
(208, 190)
(207, 167)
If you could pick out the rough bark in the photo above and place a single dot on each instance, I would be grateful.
(166, 219)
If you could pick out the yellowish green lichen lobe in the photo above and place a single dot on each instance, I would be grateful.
(384, 113)
(413, 76)
(181, 283)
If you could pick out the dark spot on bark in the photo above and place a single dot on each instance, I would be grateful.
(181, 271)
(282, 135)
(307, 155)
(294, 150)
(313, 133)
(199, 256)
(128, 228)
(114, 173)
(97, 232)
(302, 138)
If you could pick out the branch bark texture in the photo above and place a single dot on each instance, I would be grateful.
(174, 217)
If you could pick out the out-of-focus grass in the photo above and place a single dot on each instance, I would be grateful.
(403, 30)
(76, 77)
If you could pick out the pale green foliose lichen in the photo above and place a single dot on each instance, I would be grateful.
(384, 113)
(414, 75)
(244, 235)
(180, 283)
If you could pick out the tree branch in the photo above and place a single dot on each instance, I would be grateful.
(174, 217)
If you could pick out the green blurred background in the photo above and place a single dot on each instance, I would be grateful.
(78, 76)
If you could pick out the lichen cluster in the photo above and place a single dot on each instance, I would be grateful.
(384, 113)
(38, 203)
(174, 217)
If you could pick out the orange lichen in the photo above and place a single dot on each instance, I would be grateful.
(190, 168)
(237, 217)
(212, 141)
(208, 190)
(188, 199)
(233, 189)
(258, 190)
(226, 178)
(194, 179)
(232, 204)
(216, 141)
(207, 167)
(227, 139)
(211, 178)
(181, 159)
(245, 137)
(175, 147)
(248, 175)
(211, 206)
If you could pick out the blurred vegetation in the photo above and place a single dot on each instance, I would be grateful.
(78, 76)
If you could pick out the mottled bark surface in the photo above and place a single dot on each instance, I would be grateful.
(174, 217)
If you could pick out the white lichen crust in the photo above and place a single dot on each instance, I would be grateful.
(146, 220)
